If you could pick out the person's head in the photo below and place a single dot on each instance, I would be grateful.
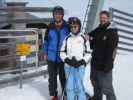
(74, 25)
(104, 17)
(58, 13)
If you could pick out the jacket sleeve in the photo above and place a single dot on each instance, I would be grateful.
(87, 52)
(112, 42)
(46, 42)
(63, 51)
(91, 39)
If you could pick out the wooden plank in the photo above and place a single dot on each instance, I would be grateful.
(122, 24)
(39, 20)
(121, 12)
(125, 37)
(125, 31)
(125, 49)
(26, 9)
(126, 43)
(123, 18)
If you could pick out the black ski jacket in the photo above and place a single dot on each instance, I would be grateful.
(103, 42)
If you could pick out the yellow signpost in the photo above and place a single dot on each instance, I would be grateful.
(23, 49)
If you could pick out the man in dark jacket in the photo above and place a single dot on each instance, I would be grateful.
(103, 42)
(55, 34)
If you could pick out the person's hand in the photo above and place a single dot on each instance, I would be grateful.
(68, 61)
(45, 56)
(87, 37)
(81, 62)
(72, 62)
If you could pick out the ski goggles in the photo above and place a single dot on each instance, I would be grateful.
(57, 13)
(74, 26)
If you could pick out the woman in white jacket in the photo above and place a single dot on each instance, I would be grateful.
(75, 53)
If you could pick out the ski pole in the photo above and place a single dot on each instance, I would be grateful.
(65, 84)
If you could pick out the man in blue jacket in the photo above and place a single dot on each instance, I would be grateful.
(56, 32)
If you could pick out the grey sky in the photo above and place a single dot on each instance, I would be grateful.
(78, 7)
(72, 7)
(124, 5)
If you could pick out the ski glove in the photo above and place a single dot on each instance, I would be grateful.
(72, 62)
(68, 61)
(81, 62)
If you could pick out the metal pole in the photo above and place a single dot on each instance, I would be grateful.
(95, 8)
(37, 47)
(22, 63)
(111, 14)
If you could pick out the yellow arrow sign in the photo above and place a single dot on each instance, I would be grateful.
(23, 49)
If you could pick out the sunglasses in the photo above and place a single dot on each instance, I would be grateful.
(58, 13)
(74, 26)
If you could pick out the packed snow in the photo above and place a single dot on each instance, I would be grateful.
(37, 88)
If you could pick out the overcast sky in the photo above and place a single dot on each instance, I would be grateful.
(72, 7)
(124, 5)
(78, 7)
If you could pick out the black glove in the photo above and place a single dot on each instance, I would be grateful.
(68, 61)
(81, 62)
(72, 62)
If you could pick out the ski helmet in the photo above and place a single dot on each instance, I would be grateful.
(73, 21)
(58, 9)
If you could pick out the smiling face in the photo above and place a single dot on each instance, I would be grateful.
(57, 16)
(74, 28)
(104, 19)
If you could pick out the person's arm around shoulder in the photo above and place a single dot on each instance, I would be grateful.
(90, 38)
(63, 51)
(87, 54)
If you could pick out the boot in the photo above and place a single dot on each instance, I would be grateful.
(91, 98)
(53, 98)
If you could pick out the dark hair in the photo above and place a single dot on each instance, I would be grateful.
(105, 12)
(74, 20)
(58, 9)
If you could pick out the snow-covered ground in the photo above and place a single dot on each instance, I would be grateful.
(32, 90)
(37, 88)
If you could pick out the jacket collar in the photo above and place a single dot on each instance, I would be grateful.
(64, 24)
(75, 35)
(110, 25)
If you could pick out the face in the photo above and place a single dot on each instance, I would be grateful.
(74, 28)
(104, 19)
(58, 16)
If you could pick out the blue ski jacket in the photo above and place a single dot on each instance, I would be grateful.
(53, 41)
